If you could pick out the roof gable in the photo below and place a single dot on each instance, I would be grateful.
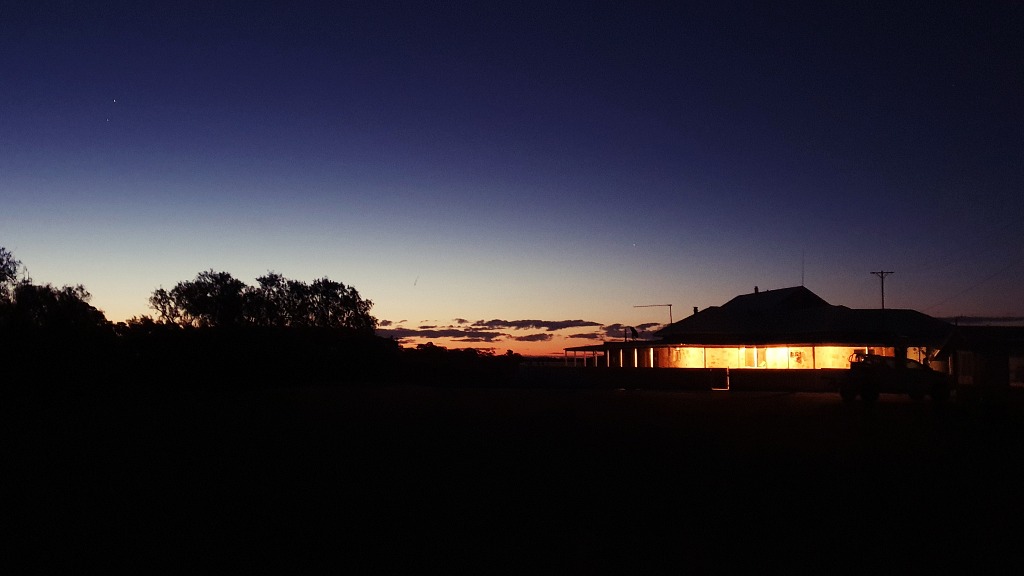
(795, 298)
(746, 313)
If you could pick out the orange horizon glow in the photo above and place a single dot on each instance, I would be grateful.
(549, 348)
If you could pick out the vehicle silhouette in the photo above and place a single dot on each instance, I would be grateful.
(872, 374)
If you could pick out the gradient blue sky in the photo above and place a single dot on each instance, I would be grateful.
(466, 162)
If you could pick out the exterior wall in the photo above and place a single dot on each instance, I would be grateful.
(918, 353)
(966, 367)
(834, 356)
(647, 357)
(773, 357)
(776, 357)
(1017, 368)
(722, 357)
(988, 373)
(801, 357)
(992, 369)
(795, 357)
(787, 380)
(679, 357)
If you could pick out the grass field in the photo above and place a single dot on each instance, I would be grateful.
(415, 479)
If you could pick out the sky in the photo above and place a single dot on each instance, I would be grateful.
(520, 175)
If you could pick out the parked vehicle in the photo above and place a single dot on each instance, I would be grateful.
(872, 374)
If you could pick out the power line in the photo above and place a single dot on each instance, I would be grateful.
(976, 284)
(881, 275)
(982, 241)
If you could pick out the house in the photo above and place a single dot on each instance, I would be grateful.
(784, 329)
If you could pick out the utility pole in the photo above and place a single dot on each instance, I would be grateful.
(881, 275)
(652, 305)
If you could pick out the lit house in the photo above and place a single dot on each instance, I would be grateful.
(789, 328)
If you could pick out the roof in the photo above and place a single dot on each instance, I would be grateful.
(587, 348)
(609, 344)
(984, 339)
(795, 298)
(797, 315)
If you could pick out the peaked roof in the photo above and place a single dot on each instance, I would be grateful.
(797, 315)
(795, 298)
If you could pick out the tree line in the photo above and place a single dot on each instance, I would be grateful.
(211, 328)
(218, 299)
(216, 328)
(29, 307)
(213, 299)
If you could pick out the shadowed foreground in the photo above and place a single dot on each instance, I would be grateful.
(417, 479)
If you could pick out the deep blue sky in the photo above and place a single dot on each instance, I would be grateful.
(465, 162)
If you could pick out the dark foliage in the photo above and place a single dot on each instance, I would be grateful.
(238, 357)
(48, 332)
(212, 299)
(216, 299)
(42, 308)
(214, 332)
(9, 268)
(217, 333)
(432, 365)
(47, 309)
(325, 303)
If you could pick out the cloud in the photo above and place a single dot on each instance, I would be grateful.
(613, 330)
(432, 332)
(496, 330)
(480, 337)
(585, 336)
(539, 337)
(385, 323)
(549, 325)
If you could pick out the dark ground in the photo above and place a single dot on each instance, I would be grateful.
(414, 480)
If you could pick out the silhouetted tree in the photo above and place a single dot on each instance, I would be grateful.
(331, 304)
(212, 299)
(166, 305)
(276, 301)
(217, 299)
(29, 308)
(9, 268)
(45, 307)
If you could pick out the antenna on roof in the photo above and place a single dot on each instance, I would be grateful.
(652, 305)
